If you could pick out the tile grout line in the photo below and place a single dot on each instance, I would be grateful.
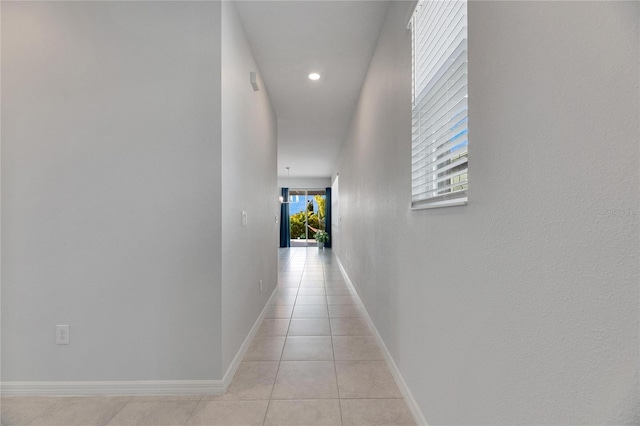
(335, 368)
(45, 412)
(118, 412)
(193, 411)
(264, 419)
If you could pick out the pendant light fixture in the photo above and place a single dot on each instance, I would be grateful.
(282, 201)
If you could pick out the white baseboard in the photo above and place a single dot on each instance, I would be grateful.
(404, 389)
(233, 367)
(138, 387)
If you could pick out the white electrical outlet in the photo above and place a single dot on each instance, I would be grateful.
(260, 286)
(244, 218)
(62, 334)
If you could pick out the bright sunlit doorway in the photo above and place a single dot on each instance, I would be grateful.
(307, 215)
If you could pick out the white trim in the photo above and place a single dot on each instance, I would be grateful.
(415, 9)
(404, 389)
(443, 203)
(137, 387)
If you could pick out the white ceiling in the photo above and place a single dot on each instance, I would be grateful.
(291, 39)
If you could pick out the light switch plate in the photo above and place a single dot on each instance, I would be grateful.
(244, 218)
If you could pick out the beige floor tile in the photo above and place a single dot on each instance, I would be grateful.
(265, 349)
(293, 277)
(284, 300)
(356, 348)
(309, 327)
(273, 327)
(228, 413)
(158, 413)
(290, 276)
(82, 411)
(288, 284)
(334, 277)
(305, 380)
(312, 284)
(350, 327)
(291, 272)
(21, 411)
(310, 311)
(341, 300)
(252, 381)
(336, 284)
(287, 291)
(366, 379)
(358, 412)
(333, 291)
(307, 412)
(311, 291)
(338, 289)
(279, 312)
(308, 348)
(311, 300)
(345, 311)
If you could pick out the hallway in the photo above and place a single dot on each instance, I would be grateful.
(479, 162)
(313, 361)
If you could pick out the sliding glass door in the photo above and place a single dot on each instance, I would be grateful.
(307, 215)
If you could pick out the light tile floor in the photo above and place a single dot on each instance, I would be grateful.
(314, 361)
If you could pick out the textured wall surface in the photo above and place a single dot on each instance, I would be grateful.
(111, 193)
(522, 307)
(249, 131)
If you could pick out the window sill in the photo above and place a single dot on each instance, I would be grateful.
(436, 204)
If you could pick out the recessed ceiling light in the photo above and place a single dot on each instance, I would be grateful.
(314, 76)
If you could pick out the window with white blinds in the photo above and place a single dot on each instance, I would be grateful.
(439, 113)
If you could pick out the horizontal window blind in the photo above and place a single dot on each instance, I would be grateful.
(439, 114)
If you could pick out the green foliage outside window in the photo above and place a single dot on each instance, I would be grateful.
(298, 224)
(315, 220)
(322, 202)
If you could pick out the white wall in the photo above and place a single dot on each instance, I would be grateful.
(111, 190)
(520, 308)
(249, 183)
